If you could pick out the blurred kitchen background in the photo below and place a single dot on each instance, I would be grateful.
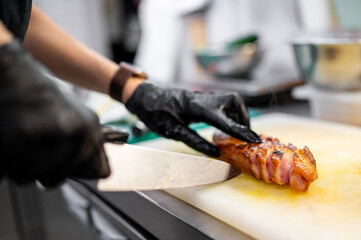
(254, 47)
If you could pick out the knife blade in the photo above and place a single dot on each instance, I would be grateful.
(139, 168)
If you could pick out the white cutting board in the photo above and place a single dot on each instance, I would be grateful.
(331, 209)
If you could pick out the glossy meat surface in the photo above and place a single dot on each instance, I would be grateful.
(270, 160)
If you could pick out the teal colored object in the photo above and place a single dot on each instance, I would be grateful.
(348, 13)
(232, 59)
(306, 56)
(126, 125)
(241, 41)
(207, 56)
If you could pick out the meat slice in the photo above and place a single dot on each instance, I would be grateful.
(263, 159)
(270, 160)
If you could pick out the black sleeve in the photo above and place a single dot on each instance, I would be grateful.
(15, 14)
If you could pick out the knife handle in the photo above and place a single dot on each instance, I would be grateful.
(114, 134)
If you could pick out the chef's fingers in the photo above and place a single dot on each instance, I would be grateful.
(192, 139)
(230, 102)
(182, 133)
(90, 163)
(236, 109)
(218, 119)
(97, 166)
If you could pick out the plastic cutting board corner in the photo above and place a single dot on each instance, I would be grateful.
(331, 209)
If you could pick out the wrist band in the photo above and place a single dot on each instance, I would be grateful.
(121, 77)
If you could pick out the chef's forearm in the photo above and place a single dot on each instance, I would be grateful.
(66, 57)
(5, 35)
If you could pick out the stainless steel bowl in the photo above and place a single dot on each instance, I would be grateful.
(330, 61)
(221, 61)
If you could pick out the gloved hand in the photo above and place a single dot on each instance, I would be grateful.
(44, 135)
(168, 112)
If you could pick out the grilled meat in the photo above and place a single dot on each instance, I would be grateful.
(269, 160)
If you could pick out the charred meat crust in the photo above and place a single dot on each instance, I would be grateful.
(270, 160)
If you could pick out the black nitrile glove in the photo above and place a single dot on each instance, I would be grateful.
(44, 135)
(168, 112)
